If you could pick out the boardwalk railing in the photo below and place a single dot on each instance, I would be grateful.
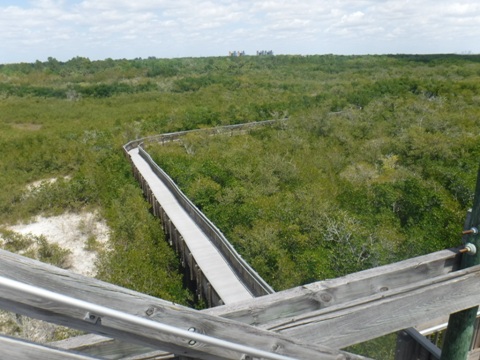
(227, 129)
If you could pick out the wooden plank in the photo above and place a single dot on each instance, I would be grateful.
(138, 333)
(76, 286)
(335, 292)
(103, 347)
(17, 349)
(263, 310)
(376, 315)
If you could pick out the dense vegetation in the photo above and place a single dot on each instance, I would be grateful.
(376, 163)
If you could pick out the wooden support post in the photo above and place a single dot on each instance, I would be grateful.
(198, 277)
(458, 337)
(154, 206)
(209, 295)
(171, 229)
(406, 346)
(175, 240)
(163, 218)
(413, 345)
(182, 254)
(191, 264)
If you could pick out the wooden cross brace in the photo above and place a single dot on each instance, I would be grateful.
(307, 322)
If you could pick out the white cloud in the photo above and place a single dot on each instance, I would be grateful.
(461, 9)
(31, 30)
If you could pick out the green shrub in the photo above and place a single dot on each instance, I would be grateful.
(53, 253)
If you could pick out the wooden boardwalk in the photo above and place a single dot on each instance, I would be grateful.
(214, 267)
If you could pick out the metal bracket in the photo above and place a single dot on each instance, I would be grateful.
(92, 318)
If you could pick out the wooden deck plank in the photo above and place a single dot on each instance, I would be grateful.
(213, 265)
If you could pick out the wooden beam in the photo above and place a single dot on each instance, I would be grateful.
(335, 292)
(260, 311)
(376, 315)
(98, 315)
(63, 282)
(268, 343)
(17, 349)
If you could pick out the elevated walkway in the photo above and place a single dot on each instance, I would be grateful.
(214, 267)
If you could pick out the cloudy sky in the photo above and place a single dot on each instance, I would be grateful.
(98, 29)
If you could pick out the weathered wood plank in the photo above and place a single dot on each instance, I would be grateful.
(263, 310)
(270, 343)
(16, 349)
(79, 287)
(323, 294)
(109, 348)
(384, 313)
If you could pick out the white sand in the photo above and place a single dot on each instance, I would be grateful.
(70, 231)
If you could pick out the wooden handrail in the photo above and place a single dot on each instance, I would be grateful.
(32, 272)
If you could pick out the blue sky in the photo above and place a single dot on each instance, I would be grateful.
(99, 29)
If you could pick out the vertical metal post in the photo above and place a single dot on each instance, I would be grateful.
(458, 337)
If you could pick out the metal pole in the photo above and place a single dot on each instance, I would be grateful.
(458, 337)
(94, 311)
